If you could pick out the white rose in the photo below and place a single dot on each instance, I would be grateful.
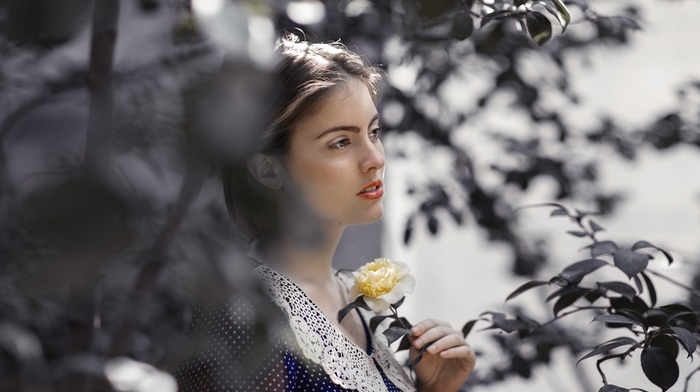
(382, 283)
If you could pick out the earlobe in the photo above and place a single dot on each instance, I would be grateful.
(267, 170)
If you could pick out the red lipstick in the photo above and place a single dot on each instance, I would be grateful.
(372, 191)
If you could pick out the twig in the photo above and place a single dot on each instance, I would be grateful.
(687, 379)
(692, 291)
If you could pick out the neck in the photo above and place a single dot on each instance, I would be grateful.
(306, 261)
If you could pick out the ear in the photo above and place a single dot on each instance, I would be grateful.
(267, 170)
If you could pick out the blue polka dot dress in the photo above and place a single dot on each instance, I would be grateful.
(246, 344)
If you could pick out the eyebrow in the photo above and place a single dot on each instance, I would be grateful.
(350, 128)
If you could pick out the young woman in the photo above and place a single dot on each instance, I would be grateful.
(322, 169)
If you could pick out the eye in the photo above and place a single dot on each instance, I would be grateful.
(340, 144)
(376, 133)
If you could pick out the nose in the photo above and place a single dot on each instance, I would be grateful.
(372, 156)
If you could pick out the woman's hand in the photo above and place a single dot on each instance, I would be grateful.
(448, 360)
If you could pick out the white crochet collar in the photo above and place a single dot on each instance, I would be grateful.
(322, 342)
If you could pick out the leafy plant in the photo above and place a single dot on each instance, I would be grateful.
(660, 332)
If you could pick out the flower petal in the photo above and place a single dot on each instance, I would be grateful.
(377, 304)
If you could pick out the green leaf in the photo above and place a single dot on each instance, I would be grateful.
(687, 339)
(630, 262)
(659, 367)
(525, 287)
(538, 27)
(609, 345)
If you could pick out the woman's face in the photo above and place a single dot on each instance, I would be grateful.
(336, 159)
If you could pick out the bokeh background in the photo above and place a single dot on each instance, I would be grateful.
(114, 115)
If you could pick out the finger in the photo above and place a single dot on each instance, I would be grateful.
(459, 352)
(432, 334)
(425, 325)
(447, 342)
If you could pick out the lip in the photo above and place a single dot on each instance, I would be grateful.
(374, 194)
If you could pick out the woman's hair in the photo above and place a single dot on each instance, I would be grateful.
(306, 74)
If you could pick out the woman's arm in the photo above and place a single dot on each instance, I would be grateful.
(448, 360)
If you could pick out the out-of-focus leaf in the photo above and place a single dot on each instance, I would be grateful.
(525, 287)
(630, 262)
(575, 272)
(488, 18)
(429, 9)
(433, 224)
(539, 28)
(624, 289)
(659, 367)
(565, 15)
(468, 327)
(559, 212)
(462, 25)
(577, 233)
(595, 227)
(644, 244)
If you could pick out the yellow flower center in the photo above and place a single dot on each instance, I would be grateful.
(377, 278)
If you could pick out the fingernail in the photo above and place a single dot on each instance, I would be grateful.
(415, 329)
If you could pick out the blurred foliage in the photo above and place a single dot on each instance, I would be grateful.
(112, 223)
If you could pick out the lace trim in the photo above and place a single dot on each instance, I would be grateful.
(322, 342)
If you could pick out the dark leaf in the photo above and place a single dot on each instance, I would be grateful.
(660, 367)
(577, 233)
(687, 339)
(486, 19)
(408, 231)
(624, 289)
(595, 227)
(433, 224)
(650, 287)
(638, 283)
(359, 302)
(609, 345)
(644, 244)
(462, 25)
(525, 287)
(521, 366)
(575, 272)
(395, 333)
(565, 301)
(603, 248)
(563, 11)
(630, 262)
(656, 317)
(376, 320)
(612, 388)
(559, 212)
(633, 314)
(681, 314)
(666, 342)
(468, 327)
(538, 27)
(398, 303)
(615, 318)
(404, 344)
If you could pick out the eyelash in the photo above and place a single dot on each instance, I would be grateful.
(376, 133)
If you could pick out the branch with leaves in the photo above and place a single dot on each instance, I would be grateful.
(660, 332)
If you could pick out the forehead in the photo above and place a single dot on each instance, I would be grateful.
(350, 103)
